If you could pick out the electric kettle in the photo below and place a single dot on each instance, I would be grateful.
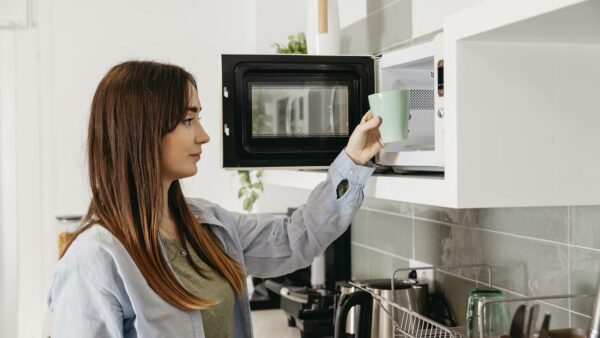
(373, 321)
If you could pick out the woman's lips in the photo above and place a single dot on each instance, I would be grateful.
(196, 156)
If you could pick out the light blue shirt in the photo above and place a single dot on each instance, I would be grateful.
(98, 291)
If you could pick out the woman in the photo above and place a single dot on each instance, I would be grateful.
(147, 261)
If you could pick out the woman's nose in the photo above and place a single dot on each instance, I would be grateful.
(201, 135)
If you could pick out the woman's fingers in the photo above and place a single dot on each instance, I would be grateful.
(366, 117)
(373, 122)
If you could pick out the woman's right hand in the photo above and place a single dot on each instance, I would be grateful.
(365, 141)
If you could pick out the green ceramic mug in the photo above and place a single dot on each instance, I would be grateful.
(392, 106)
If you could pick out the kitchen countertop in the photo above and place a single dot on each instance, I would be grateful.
(272, 324)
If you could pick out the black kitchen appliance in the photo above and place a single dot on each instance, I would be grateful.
(291, 110)
(311, 309)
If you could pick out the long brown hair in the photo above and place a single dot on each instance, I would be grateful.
(135, 105)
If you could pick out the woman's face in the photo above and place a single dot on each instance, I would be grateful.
(181, 148)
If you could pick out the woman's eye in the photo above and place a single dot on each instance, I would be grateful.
(188, 122)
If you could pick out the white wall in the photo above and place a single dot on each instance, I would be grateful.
(49, 75)
(91, 36)
(8, 183)
(276, 20)
(13, 13)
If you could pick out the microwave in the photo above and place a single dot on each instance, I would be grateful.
(291, 110)
(298, 111)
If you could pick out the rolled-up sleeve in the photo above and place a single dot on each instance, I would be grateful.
(274, 246)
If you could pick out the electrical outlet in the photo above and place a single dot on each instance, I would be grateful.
(425, 275)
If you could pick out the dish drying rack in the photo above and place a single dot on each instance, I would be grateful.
(410, 324)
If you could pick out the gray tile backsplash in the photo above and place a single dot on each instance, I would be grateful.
(532, 251)
(383, 227)
(441, 244)
(360, 228)
(583, 266)
(360, 262)
(382, 265)
(585, 226)
(559, 317)
(578, 321)
(456, 291)
(524, 265)
(436, 213)
(544, 223)
(405, 209)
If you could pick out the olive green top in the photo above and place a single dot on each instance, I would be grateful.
(217, 319)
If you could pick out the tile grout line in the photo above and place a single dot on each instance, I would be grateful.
(584, 248)
(386, 212)
(369, 240)
(580, 314)
(414, 249)
(569, 304)
(477, 253)
(364, 246)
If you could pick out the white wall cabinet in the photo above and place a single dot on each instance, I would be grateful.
(522, 118)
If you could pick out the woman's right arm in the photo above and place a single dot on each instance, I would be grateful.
(82, 306)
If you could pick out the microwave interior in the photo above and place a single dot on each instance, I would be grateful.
(290, 111)
(415, 69)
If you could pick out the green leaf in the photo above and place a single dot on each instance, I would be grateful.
(259, 173)
(257, 185)
(245, 177)
(242, 192)
(253, 197)
(247, 204)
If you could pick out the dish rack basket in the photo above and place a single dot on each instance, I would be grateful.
(410, 324)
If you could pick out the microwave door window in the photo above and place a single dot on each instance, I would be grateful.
(299, 111)
(340, 112)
